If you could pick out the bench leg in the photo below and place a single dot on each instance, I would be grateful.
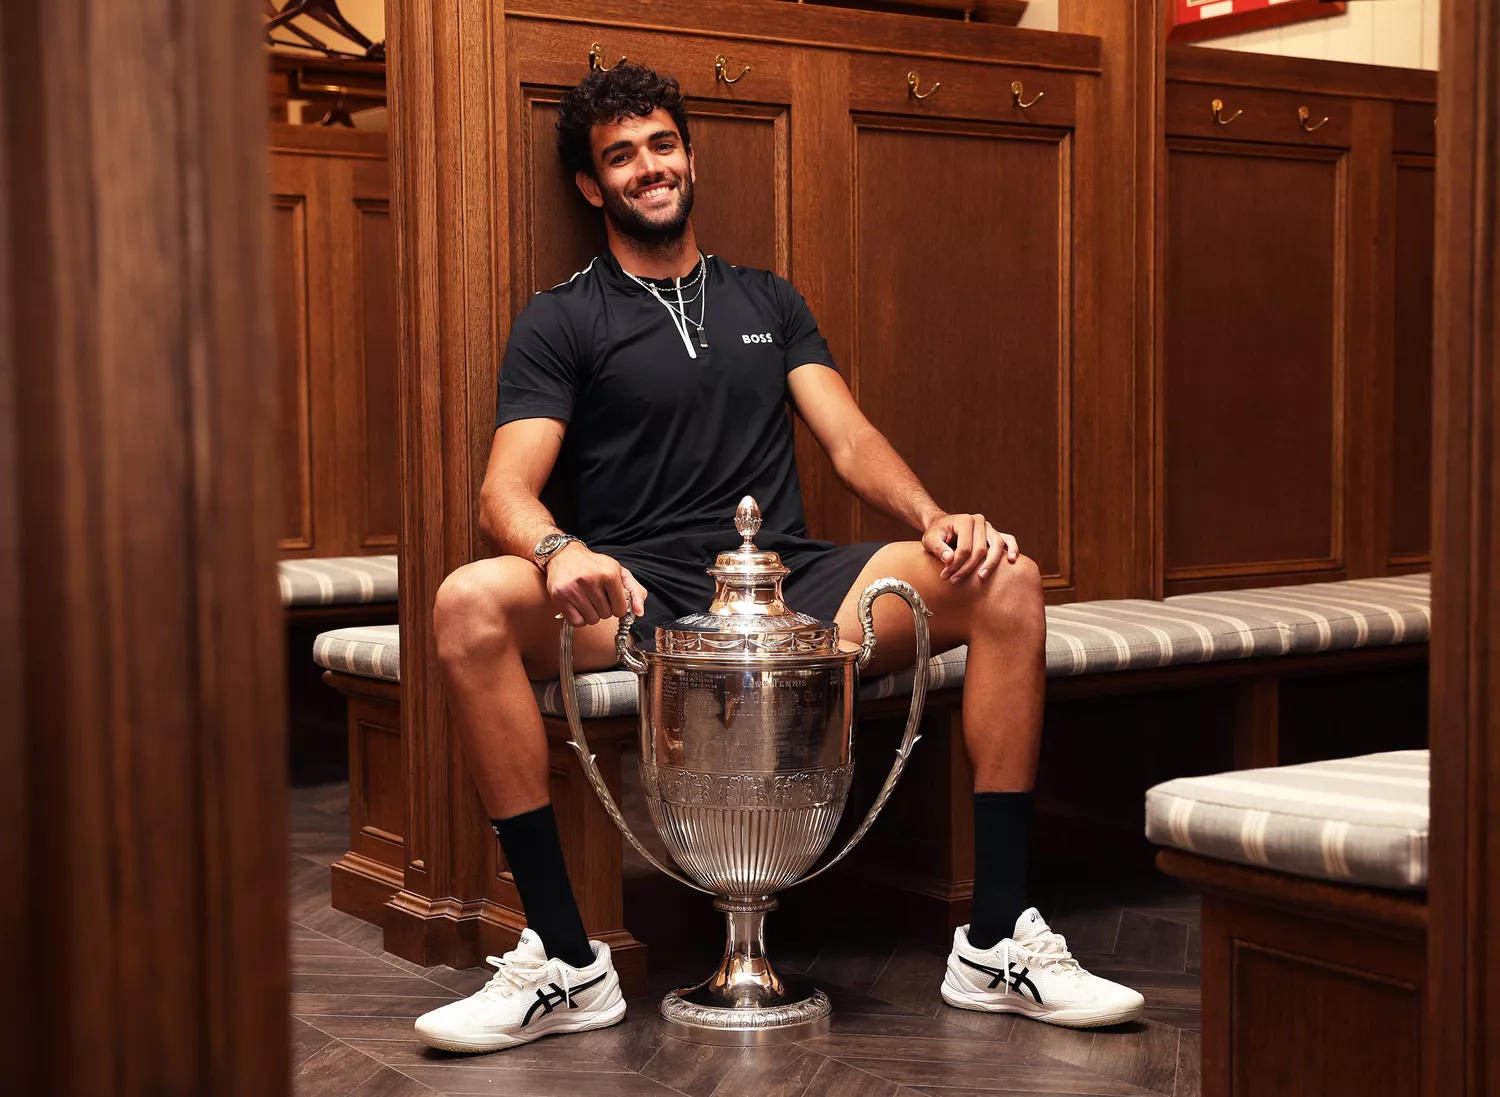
(1257, 723)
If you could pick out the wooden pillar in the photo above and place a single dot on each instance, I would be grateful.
(448, 172)
(1462, 1053)
(142, 761)
(1120, 172)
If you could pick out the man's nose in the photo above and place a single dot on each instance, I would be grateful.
(651, 164)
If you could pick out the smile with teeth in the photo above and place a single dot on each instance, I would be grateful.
(650, 194)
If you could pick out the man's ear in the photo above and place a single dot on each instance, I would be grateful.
(590, 188)
(692, 171)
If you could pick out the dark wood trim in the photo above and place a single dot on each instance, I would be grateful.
(1463, 1018)
(328, 141)
(1340, 901)
(375, 613)
(140, 640)
(835, 28)
(1231, 68)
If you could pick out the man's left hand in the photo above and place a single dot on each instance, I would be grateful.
(964, 542)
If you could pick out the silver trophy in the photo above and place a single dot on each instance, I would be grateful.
(747, 755)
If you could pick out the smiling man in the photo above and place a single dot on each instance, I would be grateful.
(655, 382)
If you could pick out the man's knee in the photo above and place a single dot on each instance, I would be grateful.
(1011, 602)
(475, 612)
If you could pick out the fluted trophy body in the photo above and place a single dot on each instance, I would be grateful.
(747, 755)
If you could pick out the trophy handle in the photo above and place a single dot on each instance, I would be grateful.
(632, 659)
(918, 696)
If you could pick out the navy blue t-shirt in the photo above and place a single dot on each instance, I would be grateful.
(660, 445)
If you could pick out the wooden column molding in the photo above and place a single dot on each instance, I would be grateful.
(1462, 1048)
(448, 150)
(1120, 171)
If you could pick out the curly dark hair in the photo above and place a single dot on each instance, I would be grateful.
(625, 91)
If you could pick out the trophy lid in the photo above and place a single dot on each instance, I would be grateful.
(748, 614)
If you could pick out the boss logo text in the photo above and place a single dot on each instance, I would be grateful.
(766, 338)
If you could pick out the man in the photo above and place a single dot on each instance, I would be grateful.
(655, 383)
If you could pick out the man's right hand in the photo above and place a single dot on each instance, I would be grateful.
(590, 587)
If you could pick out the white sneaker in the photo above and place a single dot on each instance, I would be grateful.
(1033, 974)
(530, 996)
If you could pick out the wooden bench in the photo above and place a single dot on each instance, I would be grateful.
(1314, 921)
(923, 858)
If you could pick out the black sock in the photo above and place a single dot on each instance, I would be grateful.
(1002, 827)
(534, 850)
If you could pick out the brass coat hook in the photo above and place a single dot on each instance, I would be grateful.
(1303, 114)
(1015, 94)
(721, 71)
(912, 80)
(596, 59)
(1218, 106)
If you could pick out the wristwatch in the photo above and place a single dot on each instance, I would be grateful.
(549, 546)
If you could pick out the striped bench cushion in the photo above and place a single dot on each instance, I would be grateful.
(1356, 820)
(1082, 638)
(338, 580)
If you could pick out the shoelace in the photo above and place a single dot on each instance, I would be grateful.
(513, 973)
(1050, 947)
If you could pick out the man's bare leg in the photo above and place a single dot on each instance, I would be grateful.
(496, 630)
(1003, 621)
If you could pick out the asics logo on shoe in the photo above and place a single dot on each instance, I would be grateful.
(550, 1000)
(1017, 979)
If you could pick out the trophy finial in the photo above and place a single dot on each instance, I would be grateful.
(747, 520)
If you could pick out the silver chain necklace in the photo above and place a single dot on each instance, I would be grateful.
(678, 311)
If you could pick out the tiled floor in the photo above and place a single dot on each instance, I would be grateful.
(353, 1006)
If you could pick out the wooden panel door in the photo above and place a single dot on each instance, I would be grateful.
(962, 258)
(1411, 428)
(1254, 362)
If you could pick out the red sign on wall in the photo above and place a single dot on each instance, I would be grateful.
(1198, 19)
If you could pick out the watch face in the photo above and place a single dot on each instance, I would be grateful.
(549, 544)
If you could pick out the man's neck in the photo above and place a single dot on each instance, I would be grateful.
(673, 259)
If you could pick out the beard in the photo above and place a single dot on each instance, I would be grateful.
(650, 234)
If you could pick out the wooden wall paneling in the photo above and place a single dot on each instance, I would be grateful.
(148, 901)
(1253, 410)
(333, 280)
(1188, 64)
(1119, 137)
(1408, 530)
(295, 181)
(970, 304)
(1462, 1032)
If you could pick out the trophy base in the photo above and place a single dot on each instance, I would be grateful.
(800, 1013)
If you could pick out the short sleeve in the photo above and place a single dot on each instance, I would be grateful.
(542, 369)
(803, 341)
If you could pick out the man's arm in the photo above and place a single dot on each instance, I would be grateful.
(869, 466)
(510, 509)
(866, 463)
(586, 585)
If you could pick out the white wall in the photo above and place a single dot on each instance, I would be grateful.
(1040, 15)
(1403, 33)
